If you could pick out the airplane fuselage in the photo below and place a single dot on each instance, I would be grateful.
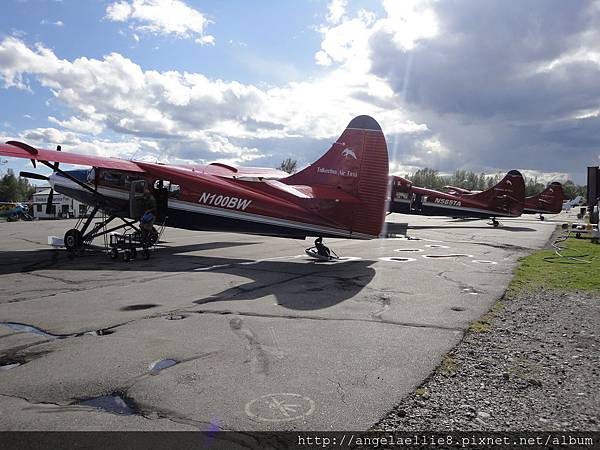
(503, 200)
(208, 202)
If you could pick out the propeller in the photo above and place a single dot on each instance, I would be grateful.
(51, 194)
(35, 176)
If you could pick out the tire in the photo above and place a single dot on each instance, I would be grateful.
(146, 254)
(114, 253)
(134, 253)
(126, 255)
(73, 239)
(152, 237)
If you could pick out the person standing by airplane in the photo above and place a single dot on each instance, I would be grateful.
(149, 216)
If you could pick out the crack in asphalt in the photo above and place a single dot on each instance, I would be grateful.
(123, 282)
(499, 246)
(465, 288)
(340, 390)
(385, 305)
(31, 329)
(333, 319)
(144, 413)
(31, 402)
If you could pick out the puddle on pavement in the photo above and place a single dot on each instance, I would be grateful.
(5, 367)
(96, 333)
(483, 261)
(470, 290)
(396, 259)
(451, 255)
(216, 266)
(139, 307)
(157, 366)
(176, 317)
(31, 329)
(112, 403)
(24, 328)
(349, 258)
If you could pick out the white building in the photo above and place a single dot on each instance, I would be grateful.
(62, 206)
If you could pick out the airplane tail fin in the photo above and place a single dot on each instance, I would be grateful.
(507, 196)
(354, 169)
(549, 201)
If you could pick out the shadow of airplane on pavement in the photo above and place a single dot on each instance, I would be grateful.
(297, 282)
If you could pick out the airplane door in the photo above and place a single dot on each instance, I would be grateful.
(416, 203)
(136, 198)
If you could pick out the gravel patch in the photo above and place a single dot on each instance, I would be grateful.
(531, 364)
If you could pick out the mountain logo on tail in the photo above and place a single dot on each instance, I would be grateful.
(349, 153)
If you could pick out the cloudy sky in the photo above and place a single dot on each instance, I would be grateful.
(484, 85)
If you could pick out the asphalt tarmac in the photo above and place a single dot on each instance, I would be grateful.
(239, 332)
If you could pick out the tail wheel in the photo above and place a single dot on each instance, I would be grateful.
(153, 236)
(73, 239)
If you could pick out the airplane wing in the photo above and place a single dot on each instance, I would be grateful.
(16, 149)
(459, 190)
(238, 173)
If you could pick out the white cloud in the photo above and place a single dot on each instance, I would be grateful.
(408, 21)
(118, 11)
(336, 9)
(78, 125)
(544, 177)
(119, 94)
(205, 40)
(114, 94)
(58, 23)
(162, 17)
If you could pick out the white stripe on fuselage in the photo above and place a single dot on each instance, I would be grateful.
(215, 211)
(458, 208)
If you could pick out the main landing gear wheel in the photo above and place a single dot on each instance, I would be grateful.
(73, 240)
(495, 223)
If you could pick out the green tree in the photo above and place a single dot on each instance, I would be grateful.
(533, 186)
(15, 189)
(428, 178)
(288, 165)
(571, 190)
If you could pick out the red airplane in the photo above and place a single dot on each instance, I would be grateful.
(549, 201)
(343, 194)
(506, 199)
